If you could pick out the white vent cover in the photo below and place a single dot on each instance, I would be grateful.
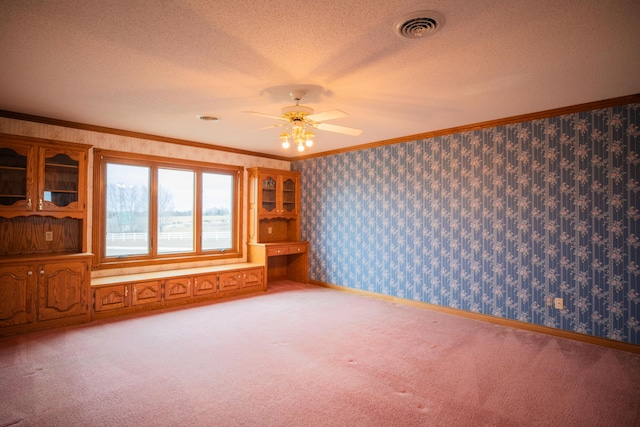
(419, 24)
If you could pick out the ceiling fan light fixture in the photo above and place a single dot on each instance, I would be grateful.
(309, 141)
(301, 121)
(284, 136)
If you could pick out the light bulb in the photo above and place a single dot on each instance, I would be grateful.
(284, 136)
(309, 142)
(300, 147)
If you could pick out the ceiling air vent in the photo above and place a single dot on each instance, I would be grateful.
(419, 24)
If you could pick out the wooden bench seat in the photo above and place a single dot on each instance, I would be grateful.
(141, 292)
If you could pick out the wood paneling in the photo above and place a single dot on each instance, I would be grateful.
(26, 235)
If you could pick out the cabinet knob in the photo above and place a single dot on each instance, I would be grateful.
(29, 273)
(42, 272)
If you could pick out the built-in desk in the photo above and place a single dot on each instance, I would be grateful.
(283, 260)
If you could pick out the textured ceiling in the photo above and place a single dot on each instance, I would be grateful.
(152, 66)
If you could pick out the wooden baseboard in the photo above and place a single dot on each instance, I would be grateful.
(605, 342)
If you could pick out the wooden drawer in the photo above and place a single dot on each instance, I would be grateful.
(277, 250)
(205, 284)
(253, 278)
(297, 249)
(111, 297)
(177, 288)
(146, 292)
(230, 280)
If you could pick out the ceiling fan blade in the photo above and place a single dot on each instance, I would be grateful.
(339, 129)
(264, 115)
(326, 115)
(272, 126)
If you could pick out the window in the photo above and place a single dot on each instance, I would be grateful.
(152, 210)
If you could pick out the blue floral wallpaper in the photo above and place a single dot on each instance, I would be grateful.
(492, 221)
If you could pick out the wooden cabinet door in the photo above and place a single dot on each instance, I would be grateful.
(230, 280)
(278, 194)
(289, 195)
(17, 171)
(253, 278)
(268, 194)
(146, 292)
(61, 179)
(62, 290)
(177, 288)
(205, 284)
(17, 288)
(111, 297)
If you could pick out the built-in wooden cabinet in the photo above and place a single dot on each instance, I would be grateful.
(112, 297)
(146, 292)
(177, 288)
(43, 292)
(274, 224)
(17, 293)
(252, 278)
(63, 288)
(279, 193)
(205, 284)
(229, 280)
(42, 177)
(44, 267)
(274, 200)
(118, 295)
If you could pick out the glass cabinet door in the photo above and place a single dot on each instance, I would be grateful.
(59, 180)
(289, 195)
(268, 194)
(16, 177)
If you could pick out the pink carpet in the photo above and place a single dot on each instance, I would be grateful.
(301, 355)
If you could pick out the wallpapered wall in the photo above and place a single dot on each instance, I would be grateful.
(491, 221)
(141, 146)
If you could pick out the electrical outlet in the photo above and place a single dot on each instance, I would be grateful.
(48, 236)
(559, 303)
(269, 230)
(549, 301)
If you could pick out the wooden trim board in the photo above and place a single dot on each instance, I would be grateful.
(605, 342)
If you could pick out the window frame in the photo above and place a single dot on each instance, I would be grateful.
(99, 214)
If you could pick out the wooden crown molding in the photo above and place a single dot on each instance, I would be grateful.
(140, 135)
(606, 103)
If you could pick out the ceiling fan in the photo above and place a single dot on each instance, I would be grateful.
(300, 121)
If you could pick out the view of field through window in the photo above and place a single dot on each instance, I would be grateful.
(128, 210)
